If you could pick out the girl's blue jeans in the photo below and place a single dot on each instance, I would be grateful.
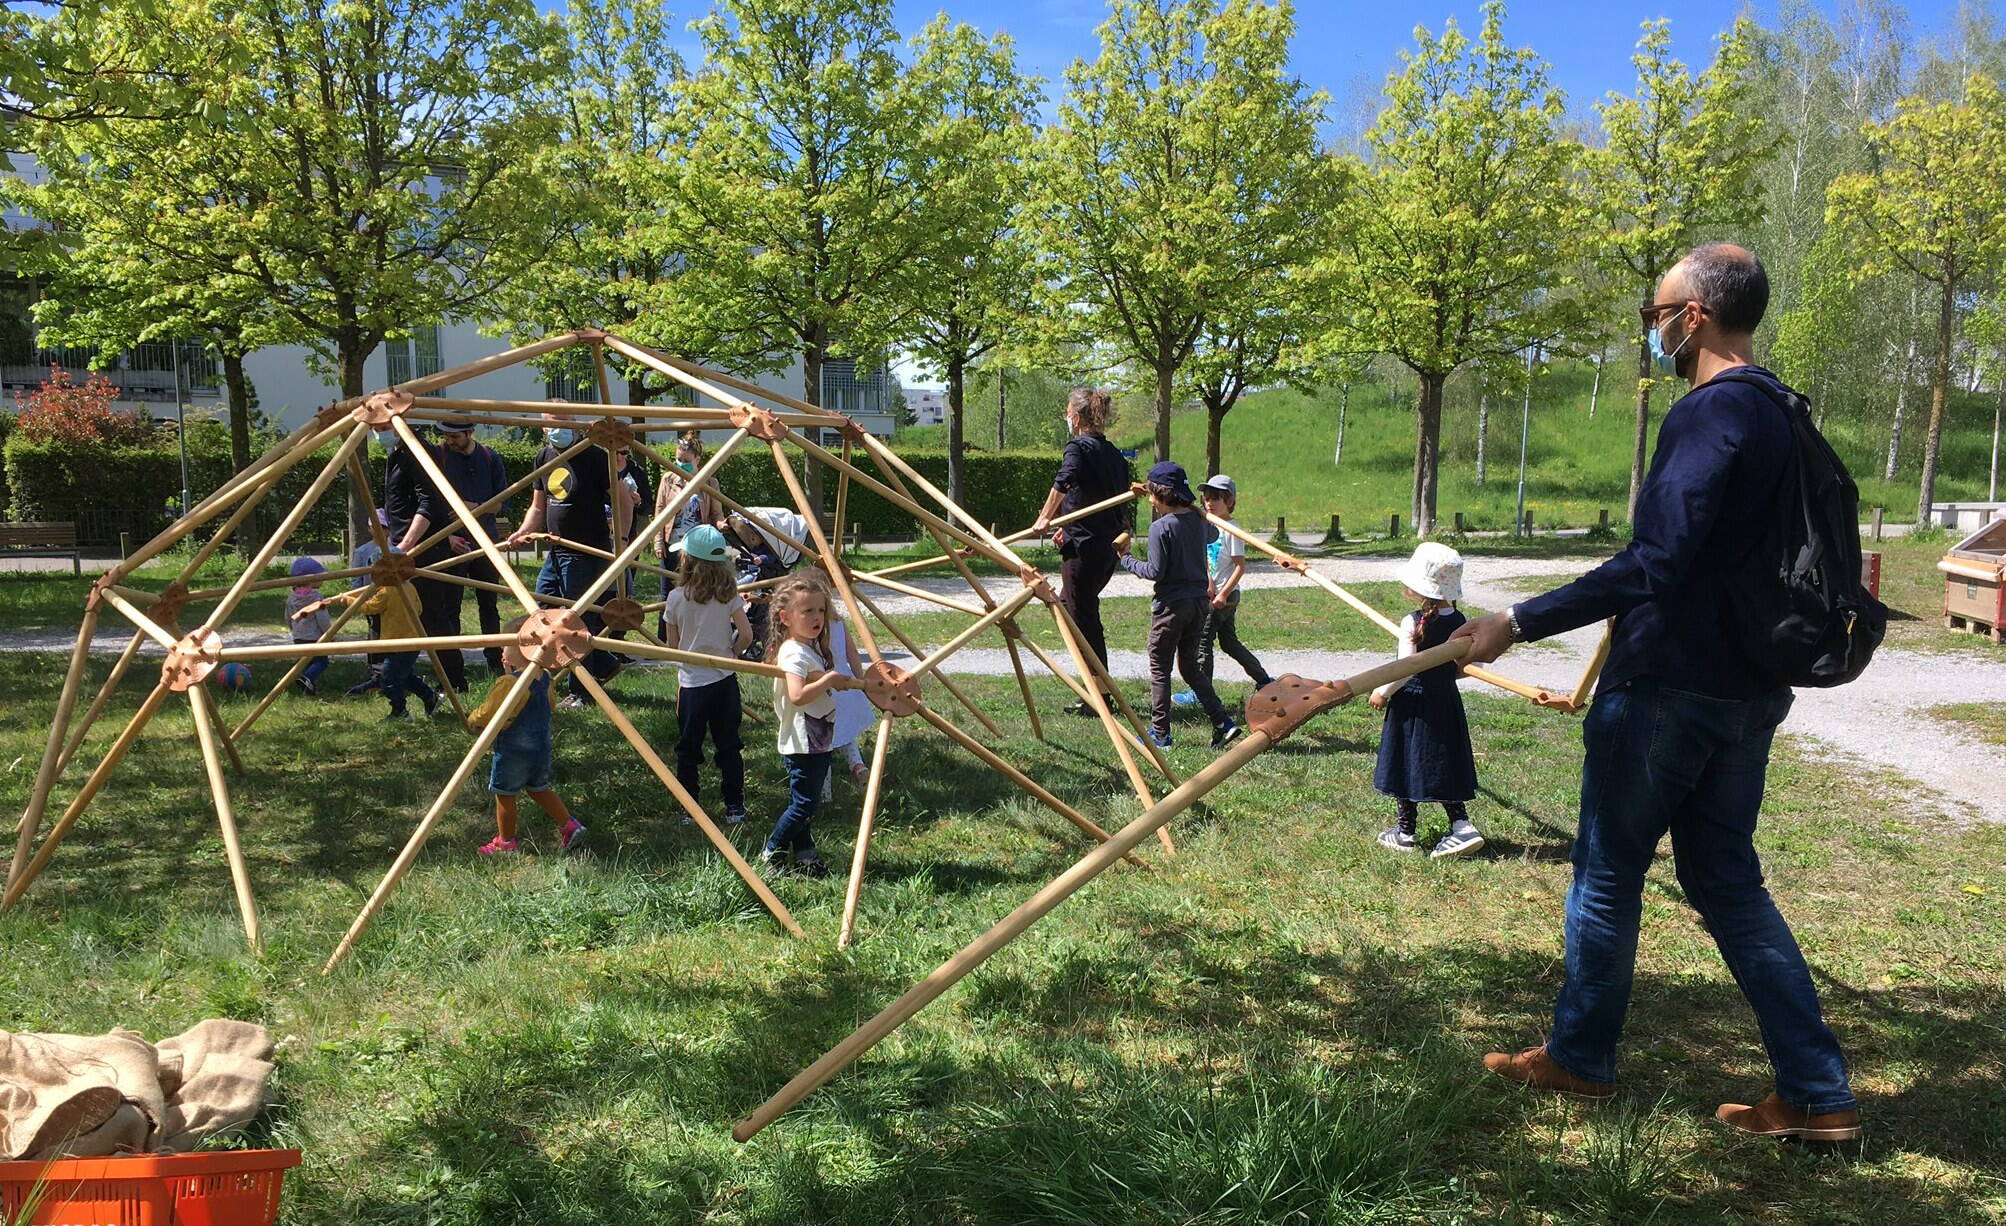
(805, 773)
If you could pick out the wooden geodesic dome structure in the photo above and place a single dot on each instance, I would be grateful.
(555, 637)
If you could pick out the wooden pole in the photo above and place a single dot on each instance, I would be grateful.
(920, 593)
(1041, 903)
(52, 753)
(837, 571)
(1023, 682)
(468, 519)
(1106, 504)
(974, 631)
(363, 647)
(889, 461)
(1584, 688)
(24, 878)
(349, 610)
(105, 691)
(597, 552)
(220, 615)
(649, 651)
(359, 478)
(1052, 666)
(842, 499)
(484, 741)
(147, 626)
(226, 818)
(873, 792)
(1115, 735)
(1107, 686)
(1031, 786)
(946, 682)
(1004, 558)
(689, 803)
(1290, 561)
(511, 490)
(634, 548)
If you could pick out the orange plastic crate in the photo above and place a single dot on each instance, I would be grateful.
(225, 1188)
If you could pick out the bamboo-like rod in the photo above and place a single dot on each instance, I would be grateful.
(1052, 666)
(904, 568)
(759, 521)
(364, 647)
(509, 491)
(834, 563)
(147, 626)
(348, 612)
(1024, 686)
(402, 592)
(675, 655)
(1041, 903)
(672, 366)
(252, 501)
(920, 593)
(599, 365)
(226, 817)
(522, 412)
(220, 615)
(305, 440)
(1106, 685)
(483, 741)
(1006, 559)
(889, 461)
(597, 552)
(467, 517)
(105, 691)
(266, 585)
(236, 759)
(1291, 562)
(1583, 689)
(939, 538)
(997, 763)
(688, 379)
(1115, 735)
(634, 548)
(52, 753)
(842, 508)
(1059, 521)
(946, 682)
(985, 622)
(873, 791)
(689, 803)
(25, 878)
(424, 385)
(616, 500)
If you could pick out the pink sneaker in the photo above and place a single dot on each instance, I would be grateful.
(498, 846)
(572, 835)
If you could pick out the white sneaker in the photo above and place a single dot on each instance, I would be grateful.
(1396, 839)
(1457, 843)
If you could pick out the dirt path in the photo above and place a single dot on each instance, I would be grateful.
(1880, 721)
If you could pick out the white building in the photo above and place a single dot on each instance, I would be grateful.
(927, 406)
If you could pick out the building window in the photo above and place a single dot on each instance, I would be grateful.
(577, 386)
(848, 392)
(414, 356)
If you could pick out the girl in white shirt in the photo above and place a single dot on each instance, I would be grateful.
(804, 709)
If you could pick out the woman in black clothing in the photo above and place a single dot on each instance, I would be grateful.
(1091, 471)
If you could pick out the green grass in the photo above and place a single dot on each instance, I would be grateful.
(1277, 1026)
(1279, 445)
(1983, 720)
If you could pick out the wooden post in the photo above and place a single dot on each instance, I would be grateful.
(1063, 887)
(972, 632)
(105, 691)
(52, 753)
(873, 791)
(1336, 532)
(1393, 527)
(837, 571)
(1100, 677)
(1282, 530)
(226, 817)
(1010, 633)
(1115, 735)
(1602, 520)
(946, 682)
(1584, 688)
(1461, 527)
(1878, 513)
(349, 610)
(484, 741)
(359, 479)
(220, 615)
(689, 803)
(124, 543)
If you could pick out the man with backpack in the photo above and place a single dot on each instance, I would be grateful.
(1734, 587)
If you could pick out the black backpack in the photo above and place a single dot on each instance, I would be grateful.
(1797, 604)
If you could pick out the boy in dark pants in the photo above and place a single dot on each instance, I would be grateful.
(1176, 564)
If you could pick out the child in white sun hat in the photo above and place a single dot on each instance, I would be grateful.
(1424, 753)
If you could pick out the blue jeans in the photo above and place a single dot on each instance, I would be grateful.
(314, 668)
(566, 574)
(805, 773)
(400, 678)
(1661, 759)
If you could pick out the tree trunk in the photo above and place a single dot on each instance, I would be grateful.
(1939, 392)
(957, 446)
(348, 360)
(1992, 483)
(1215, 417)
(1483, 433)
(1901, 407)
(1343, 404)
(1643, 425)
(1165, 370)
(1001, 394)
(237, 386)
(1595, 388)
(637, 389)
(1427, 450)
(812, 355)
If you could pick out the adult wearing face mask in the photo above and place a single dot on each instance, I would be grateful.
(575, 498)
(1678, 738)
(414, 509)
(477, 474)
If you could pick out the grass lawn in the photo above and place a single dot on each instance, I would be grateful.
(1984, 720)
(1278, 1025)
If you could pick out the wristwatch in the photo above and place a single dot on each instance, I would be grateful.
(1511, 619)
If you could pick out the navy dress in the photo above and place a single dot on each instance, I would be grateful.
(1424, 753)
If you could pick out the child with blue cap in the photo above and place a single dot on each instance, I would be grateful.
(1177, 564)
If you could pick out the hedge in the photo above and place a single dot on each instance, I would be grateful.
(136, 490)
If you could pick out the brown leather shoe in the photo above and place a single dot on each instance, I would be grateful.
(1772, 1117)
(1536, 1070)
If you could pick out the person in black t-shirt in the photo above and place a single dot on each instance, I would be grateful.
(572, 502)
(476, 474)
(414, 509)
(1092, 470)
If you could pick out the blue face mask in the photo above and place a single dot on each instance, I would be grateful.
(561, 437)
(1668, 363)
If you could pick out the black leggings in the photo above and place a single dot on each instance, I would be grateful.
(1410, 813)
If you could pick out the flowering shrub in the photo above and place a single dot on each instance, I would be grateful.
(65, 411)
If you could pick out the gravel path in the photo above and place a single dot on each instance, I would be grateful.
(1879, 721)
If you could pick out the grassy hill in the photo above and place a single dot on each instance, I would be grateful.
(1279, 445)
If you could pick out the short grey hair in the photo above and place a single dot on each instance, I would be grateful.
(1730, 283)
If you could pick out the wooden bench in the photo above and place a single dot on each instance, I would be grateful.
(41, 540)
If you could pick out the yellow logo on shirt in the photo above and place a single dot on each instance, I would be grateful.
(558, 483)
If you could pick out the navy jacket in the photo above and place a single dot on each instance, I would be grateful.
(1722, 451)
(1176, 557)
(476, 477)
(409, 493)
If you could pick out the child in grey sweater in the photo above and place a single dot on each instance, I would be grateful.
(1177, 565)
